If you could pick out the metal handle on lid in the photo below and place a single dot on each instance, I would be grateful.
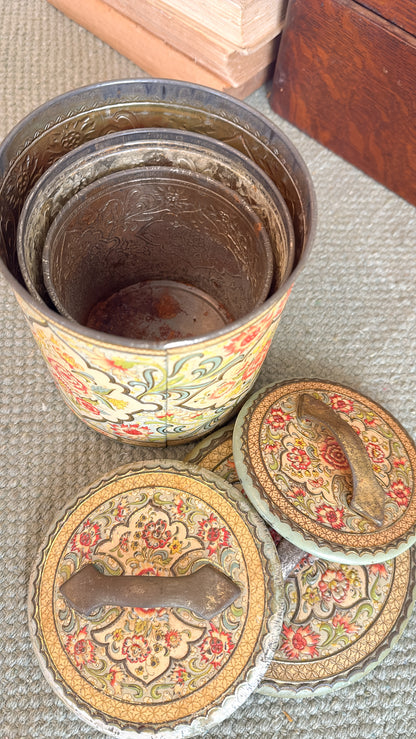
(368, 496)
(206, 592)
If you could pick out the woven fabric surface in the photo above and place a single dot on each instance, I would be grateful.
(350, 319)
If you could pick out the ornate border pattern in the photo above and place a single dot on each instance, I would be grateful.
(249, 659)
(364, 546)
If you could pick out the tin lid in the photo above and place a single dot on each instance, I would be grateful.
(340, 620)
(164, 639)
(332, 471)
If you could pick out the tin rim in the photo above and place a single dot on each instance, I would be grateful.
(15, 142)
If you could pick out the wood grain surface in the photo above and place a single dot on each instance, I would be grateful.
(346, 76)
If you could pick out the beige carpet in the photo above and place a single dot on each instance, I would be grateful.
(350, 318)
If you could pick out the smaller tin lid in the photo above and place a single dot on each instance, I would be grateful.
(163, 637)
(215, 453)
(332, 471)
(340, 621)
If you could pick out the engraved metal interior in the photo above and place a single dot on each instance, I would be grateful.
(151, 147)
(85, 114)
(112, 245)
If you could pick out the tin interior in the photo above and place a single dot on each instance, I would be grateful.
(85, 114)
(157, 253)
(149, 148)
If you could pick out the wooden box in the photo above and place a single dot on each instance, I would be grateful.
(346, 75)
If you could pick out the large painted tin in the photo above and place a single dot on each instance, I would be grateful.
(144, 393)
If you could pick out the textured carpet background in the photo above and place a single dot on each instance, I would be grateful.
(350, 318)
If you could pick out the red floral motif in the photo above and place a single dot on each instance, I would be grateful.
(255, 365)
(81, 650)
(124, 542)
(333, 584)
(180, 674)
(172, 639)
(303, 641)
(399, 462)
(118, 364)
(121, 512)
(378, 569)
(375, 452)
(296, 493)
(371, 421)
(136, 648)
(88, 406)
(298, 458)
(333, 455)
(399, 492)
(85, 541)
(317, 483)
(131, 429)
(277, 419)
(306, 561)
(156, 534)
(215, 536)
(223, 388)
(332, 516)
(71, 383)
(216, 646)
(240, 342)
(342, 623)
(343, 405)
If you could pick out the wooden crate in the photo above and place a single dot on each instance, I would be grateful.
(346, 75)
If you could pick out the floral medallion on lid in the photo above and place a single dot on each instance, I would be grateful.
(298, 477)
(340, 622)
(165, 669)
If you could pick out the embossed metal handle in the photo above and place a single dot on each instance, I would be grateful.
(206, 592)
(368, 496)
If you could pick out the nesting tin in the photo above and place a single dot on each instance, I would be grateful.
(172, 672)
(143, 392)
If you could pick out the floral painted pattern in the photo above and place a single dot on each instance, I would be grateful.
(310, 469)
(154, 397)
(330, 606)
(146, 654)
(299, 642)
(216, 453)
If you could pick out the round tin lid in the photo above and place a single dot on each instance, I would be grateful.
(340, 622)
(170, 654)
(329, 469)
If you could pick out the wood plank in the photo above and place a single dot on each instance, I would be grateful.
(400, 12)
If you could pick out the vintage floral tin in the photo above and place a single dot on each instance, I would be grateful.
(150, 393)
(168, 669)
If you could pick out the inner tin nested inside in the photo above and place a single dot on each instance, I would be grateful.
(157, 254)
